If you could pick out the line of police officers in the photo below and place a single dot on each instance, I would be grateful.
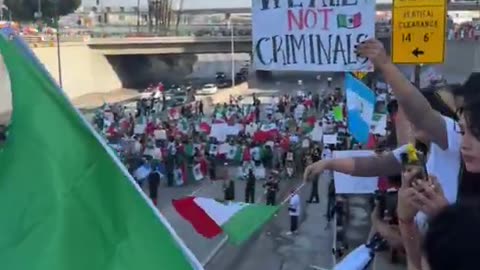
(272, 184)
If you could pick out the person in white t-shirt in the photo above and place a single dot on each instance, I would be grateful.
(427, 196)
(294, 208)
(444, 164)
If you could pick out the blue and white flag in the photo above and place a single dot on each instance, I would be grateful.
(360, 107)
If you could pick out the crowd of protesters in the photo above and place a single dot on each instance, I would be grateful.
(263, 138)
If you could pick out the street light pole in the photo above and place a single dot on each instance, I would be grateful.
(138, 16)
(232, 45)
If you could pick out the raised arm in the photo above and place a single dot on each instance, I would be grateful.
(402, 128)
(416, 107)
(384, 165)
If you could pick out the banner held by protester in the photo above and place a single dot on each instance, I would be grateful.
(305, 35)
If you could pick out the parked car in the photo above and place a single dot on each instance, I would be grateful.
(240, 78)
(220, 76)
(208, 89)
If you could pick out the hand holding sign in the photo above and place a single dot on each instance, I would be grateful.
(373, 50)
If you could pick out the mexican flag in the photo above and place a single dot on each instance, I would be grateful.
(173, 114)
(182, 126)
(349, 21)
(180, 175)
(235, 153)
(189, 150)
(197, 172)
(204, 127)
(211, 218)
(83, 210)
(267, 132)
(308, 125)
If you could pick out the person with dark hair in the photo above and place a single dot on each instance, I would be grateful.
(229, 189)
(153, 183)
(272, 188)
(250, 187)
(452, 239)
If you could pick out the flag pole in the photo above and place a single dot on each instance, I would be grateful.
(186, 251)
(59, 55)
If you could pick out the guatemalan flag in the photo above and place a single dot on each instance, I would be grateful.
(360, 106)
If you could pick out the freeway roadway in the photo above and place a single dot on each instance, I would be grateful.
(270, 248)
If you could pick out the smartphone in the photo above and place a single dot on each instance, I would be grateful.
(422, 175)
(420, 167)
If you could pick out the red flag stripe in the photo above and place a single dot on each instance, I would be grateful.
(200, 220)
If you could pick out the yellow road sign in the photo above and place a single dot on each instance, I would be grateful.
(418, 33)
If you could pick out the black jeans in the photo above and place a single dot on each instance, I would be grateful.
(293, 223)
(271, 198)
(153, 188)
(250, 195)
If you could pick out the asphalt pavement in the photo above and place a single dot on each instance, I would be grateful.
(272, 249)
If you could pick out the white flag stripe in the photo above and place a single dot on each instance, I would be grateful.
(219, 212)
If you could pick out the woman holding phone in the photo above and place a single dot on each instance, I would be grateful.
(427, 195)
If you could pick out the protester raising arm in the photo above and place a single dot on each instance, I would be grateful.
(379, 165)
(403, 128)
(414, 104)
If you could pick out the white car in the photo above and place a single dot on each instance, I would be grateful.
(208, 89)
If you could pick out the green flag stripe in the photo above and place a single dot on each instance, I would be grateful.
(247, 221)
(75, 208)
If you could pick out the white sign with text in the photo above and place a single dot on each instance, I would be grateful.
(309, 35)
(347, 184)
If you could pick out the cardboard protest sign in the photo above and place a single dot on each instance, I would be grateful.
(311, 35)
(347, 184)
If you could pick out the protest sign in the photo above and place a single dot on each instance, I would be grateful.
(311, 35)
(330, 139)
(347, 184)
(338, 113)
(160, 134)
(139, 129)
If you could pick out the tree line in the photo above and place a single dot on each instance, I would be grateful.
(24, 10)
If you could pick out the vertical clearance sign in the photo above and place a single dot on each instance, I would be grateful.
(311, 35)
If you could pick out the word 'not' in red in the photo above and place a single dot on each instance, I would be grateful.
(309, 18)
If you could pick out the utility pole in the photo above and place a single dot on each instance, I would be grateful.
(416, 74)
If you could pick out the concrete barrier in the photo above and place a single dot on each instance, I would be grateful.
(461, 58)
(84, 71)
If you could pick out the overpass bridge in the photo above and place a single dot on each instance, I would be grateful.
(455, 6)
(170, 45)
(176, 45)
(102, 65)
